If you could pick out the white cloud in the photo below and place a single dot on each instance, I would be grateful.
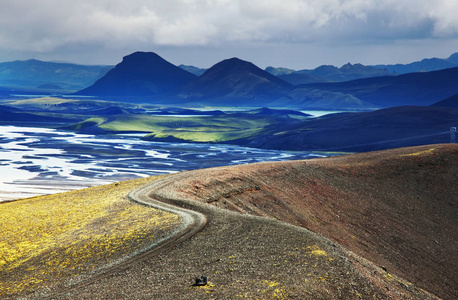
(50, 25)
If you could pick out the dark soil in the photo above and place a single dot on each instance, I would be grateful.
(395, 209)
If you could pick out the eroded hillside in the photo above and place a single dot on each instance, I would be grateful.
(396, 208)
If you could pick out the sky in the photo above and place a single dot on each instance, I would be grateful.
(296, 34)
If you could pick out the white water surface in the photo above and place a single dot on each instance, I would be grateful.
(38, 161)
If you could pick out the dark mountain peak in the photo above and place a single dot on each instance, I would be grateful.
(347, 65)
(234, 64)
(235, 81)
(148, 63)
(143, 57)
(239, 70)
(140, 74)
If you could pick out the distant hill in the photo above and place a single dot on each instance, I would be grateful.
(409, 89)
(425, 65)
(40, 75)
(364, 131)
(234, 82)
(328, 73)
(347, 72)
(140, 74)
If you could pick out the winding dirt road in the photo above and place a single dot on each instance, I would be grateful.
(191, 223)
(243, 256)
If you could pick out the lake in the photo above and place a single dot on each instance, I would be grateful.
(38, 161)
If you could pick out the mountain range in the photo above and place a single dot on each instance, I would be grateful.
(328, 73)
(425, 65)
(39, 75)
(424, 88)
(234, 82)
(147, 78)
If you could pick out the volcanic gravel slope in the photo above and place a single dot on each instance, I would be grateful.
(372, 203)
(397, 208)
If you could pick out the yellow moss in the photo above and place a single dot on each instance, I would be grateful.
(429, 151)
(270, 283)
(316, 251)
(71, 233)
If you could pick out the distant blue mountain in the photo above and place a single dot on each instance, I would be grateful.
(140, 74)
(425, 65)
(39, 75)
(424, 88)
(234, 82)
(328, 73)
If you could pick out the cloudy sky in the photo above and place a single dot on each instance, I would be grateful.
(290, 33)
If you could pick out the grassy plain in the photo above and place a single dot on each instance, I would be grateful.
(49, 239)
(193, 128)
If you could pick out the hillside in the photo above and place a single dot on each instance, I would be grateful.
(219, 127)
(140, 74)
(365, 131)
(449, 102)
(410, 89)
(396, 208)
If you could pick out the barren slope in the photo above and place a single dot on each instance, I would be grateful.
(397, 208)
(244, 256)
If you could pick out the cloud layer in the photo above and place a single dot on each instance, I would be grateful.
(50, 25)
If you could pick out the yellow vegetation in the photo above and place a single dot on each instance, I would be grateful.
(429, 151)
(316, 251)
(46, 240)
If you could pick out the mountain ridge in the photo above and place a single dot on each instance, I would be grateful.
(425, 65)
(421, 88)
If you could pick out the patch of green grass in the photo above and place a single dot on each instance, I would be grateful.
(195, 129)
